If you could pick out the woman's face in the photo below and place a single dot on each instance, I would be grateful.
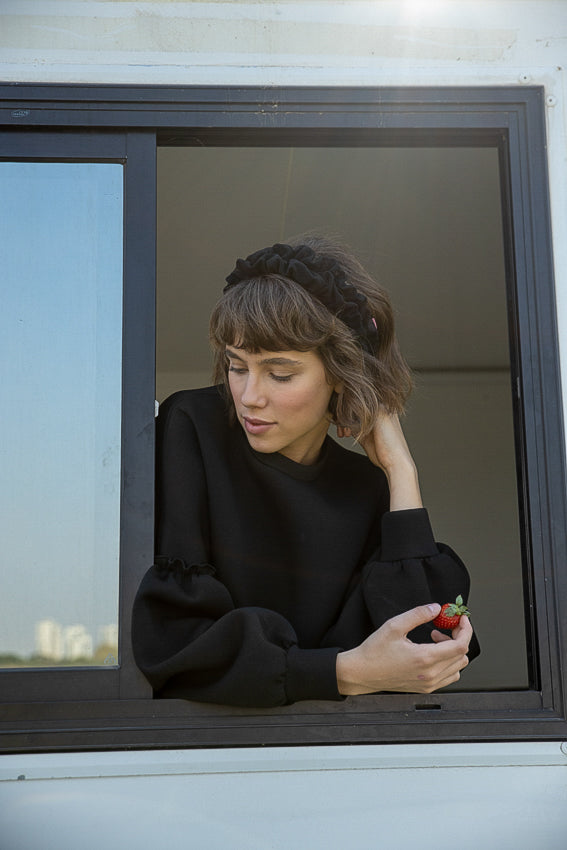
(281, 400)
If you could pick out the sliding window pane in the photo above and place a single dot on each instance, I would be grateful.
(60, 371)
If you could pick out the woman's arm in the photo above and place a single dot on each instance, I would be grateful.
(409, 570)
(389, 661)
(192, 643)
(399, 593)
(387, 448)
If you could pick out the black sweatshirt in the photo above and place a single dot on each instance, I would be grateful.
(267, 568)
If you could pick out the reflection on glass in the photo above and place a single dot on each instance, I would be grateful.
(60, 373)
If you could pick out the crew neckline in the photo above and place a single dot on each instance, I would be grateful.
(299, 471)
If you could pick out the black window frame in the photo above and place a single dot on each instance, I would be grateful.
(95, 709)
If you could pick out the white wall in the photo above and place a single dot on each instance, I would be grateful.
(323, 41)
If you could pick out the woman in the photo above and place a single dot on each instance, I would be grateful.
(289, 567)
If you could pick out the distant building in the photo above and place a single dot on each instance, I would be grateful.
(49, 640)
(108, 635)
(78, 643)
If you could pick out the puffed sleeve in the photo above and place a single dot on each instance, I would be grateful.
(408, 569)
(192, 643)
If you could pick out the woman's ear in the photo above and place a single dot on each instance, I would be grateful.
(339, 388)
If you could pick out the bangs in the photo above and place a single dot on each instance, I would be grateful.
(269, 313)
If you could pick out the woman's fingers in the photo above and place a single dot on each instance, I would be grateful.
(452, 673)
(439, 637)
(407, 621)
(446, 672)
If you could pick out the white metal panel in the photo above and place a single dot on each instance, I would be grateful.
(510, 796)
(360, 41)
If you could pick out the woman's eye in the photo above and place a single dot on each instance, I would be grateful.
(282, 378)
(237, 370)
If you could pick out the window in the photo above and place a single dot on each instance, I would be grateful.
(484, 263)
(73, 365)
(428, 222)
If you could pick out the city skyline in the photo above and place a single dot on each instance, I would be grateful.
(65, 644)
(58, 642)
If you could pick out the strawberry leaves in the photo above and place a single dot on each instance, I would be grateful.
(451, 613)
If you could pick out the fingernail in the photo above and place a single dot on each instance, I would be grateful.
(434, 607)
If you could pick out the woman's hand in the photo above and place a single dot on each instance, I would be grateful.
(388, 661)
(387, 448)
(386, 445)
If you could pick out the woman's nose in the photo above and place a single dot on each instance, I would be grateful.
(252, 395)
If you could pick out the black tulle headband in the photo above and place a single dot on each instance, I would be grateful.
(322, 277)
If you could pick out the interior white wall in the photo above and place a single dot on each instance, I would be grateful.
(459, 428)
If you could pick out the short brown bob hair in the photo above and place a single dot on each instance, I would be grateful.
(273, 313)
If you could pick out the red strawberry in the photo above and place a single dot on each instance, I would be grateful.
(450, 614)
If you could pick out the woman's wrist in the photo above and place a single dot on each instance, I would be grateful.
(403, 481)
(347, 684)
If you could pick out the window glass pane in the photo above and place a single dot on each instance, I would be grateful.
(60, 367)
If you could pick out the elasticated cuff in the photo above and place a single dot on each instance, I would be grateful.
(407, 534)
(312, 674)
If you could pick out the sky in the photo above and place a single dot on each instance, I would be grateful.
(60, 377)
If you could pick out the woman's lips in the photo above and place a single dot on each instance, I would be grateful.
(256, 426)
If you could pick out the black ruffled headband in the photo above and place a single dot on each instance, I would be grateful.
(322, 277)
